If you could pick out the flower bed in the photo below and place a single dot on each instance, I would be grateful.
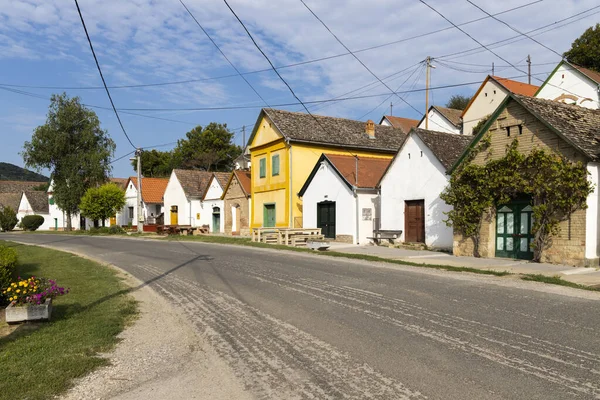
(31, 299)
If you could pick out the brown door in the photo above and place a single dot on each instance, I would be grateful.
(414, 221)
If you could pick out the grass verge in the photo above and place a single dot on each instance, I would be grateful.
(39, 361)
(556, 280)
(250, 243)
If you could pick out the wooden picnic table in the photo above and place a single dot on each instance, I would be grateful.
(284, 235)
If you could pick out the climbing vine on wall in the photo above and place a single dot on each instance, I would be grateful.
(557, 186)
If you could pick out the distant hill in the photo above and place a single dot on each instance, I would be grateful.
(11, 172)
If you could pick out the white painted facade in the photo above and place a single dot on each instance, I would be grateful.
(385, 122)
(25, 208)
(416, 174)
(439, 123)
(592, 220)
(485, 103)
(128, 214)
(213, 212)
(327, 185)
(570, 86)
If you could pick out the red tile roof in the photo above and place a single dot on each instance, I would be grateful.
(405, 124)
(516, 87)
(245, 180)
(120, 182)
(370, 170)
(593, 75)
(153, 189)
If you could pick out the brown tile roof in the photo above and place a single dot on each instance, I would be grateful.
(18, 186)
(11, 200)
(195, 183)
(593, 75)
(405, 124)
(245, 180)
(447, 147)
(578, 125)
(222, 178)
(38, 201)
(450, 114)
(517, 87)
(153, 189)
(335, 132)
(370, 170)
(120, 182)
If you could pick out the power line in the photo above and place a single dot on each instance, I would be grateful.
(269, 69)
(272, 66)
(102, 76)
(514, 29)
(355, 56)
(223, 54)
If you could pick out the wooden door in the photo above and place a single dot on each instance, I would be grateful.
(326, 218)
(216, 217)
(269, 215)
(513, 230)
(174, 216)
(113, 221)
(414, 221)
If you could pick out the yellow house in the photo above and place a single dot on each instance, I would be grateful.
(284, 147)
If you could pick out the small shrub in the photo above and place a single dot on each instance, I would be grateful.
(8, 219)
(32, 222)
(104, 230)
(116, 230)
(8, 262)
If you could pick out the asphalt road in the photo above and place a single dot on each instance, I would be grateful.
(298, 326)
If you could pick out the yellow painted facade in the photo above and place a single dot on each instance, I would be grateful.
(296, 161)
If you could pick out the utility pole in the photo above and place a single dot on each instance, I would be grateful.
(140, 213)
(492, 69)
(391, 108)
(244, 137)
(428, 63)
(528, 69)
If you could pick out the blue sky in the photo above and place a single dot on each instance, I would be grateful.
(137, 42)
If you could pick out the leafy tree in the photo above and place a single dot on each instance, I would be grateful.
(585, 50)
(8, 219)
(458, 102)
(102, 203)
(155, 164)
(210, 148)
(74, 147)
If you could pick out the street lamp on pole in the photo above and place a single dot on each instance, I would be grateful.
(140, 211)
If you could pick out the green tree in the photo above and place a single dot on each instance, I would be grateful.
(155, 164)
(210, 148)
(458, 102)
(585, 50)
(8, 219)
(102, 202)
(74, 148)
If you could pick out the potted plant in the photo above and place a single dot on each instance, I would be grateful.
(31, 299)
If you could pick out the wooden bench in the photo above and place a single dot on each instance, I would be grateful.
(271, 237)
(382, 234)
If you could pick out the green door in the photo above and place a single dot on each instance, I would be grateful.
(513, 230)
(326, 218)
(269, 215)
(216, 217)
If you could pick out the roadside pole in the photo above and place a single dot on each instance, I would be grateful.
(140, 211)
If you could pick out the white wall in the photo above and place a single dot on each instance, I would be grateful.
(385, 122)
(326, 185)
(567, 81)
(486, 102)
(365, 226)
(175, 196)
(591, 214)
(26, 209)
(438, 123)
(420, 177)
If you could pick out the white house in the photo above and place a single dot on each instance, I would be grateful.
(572, 84)
(194, 198)
(153, 190)
(411, 186)
(36, 202)
(405, 124)
(442, 119)
(488, 97)
(342, 205)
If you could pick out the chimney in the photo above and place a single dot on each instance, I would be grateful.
(370, 129)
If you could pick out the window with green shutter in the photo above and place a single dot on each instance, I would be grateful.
(263, 167)
(275, 165)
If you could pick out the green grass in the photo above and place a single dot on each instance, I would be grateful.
(250, 243)
(555, 280)
(39, 361)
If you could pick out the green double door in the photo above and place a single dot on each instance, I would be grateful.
(326, 218)
(513, 230)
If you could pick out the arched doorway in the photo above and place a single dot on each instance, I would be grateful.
(216, 219)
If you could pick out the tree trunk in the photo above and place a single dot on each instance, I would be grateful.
(103, 223)
(69, 223)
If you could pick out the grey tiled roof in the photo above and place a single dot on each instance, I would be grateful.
(447, 147)
(222, 178)
(38, 202)
(579, 125)
(11, 200)
(194, 183)
(332, 131)
(451, 115)
(18, 186)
